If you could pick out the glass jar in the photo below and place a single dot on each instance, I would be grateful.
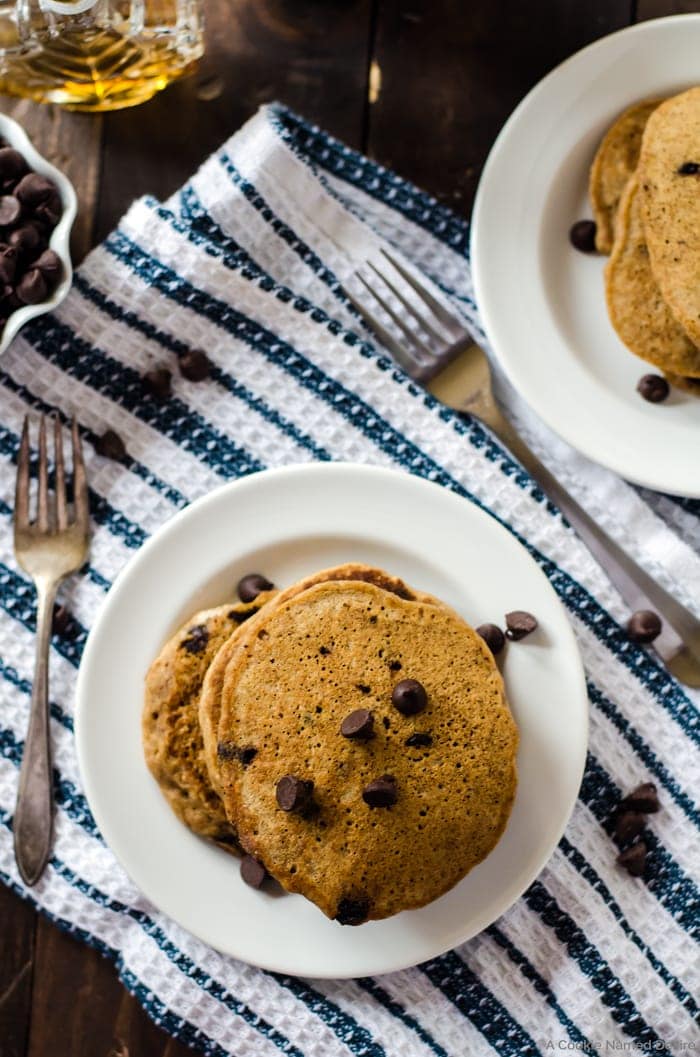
(96, 54)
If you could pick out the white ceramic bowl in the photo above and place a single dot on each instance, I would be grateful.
(16, 137)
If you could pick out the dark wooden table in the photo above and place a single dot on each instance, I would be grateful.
(421, 85)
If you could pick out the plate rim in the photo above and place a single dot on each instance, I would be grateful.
(173, 526)
(600, 452)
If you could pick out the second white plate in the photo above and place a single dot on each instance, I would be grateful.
(542, 302)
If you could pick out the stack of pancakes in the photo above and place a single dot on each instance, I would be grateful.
(348, 733)
(645, 193)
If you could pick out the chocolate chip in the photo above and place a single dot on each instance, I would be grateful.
(352, 911)
(644, 626)
(634, 858)
(419, 740)
(49, 211)
(158, 382)
(12, 164)
(25, 239)
(519, 623)
(653, 387)
(61, 620)
(8, 264)
(252, 871)
(32, 288)
(409, 697)
(247, 754)
(197, 639)
(110, 445)
(644, 798)
(688, 168)
(629, 825)
(50, 265)
(582, 236)
(359, 725)
(492, 636)
(395, 666)
(225, 750)
(195, 365)
(240, 616)
(250, 586)
(10, 210)
(33, 190)
(324, 651)
(363, 688)
(293, 794)
(381, 792)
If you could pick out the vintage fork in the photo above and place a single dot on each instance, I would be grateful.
(49, 548)
(434, 347)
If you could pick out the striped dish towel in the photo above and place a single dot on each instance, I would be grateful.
(589, 958)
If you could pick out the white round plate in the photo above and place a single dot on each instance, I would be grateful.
(287, 523)
(541, 301)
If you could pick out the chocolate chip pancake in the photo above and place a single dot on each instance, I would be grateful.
(615, 161)
(368, 748)
(171, 737)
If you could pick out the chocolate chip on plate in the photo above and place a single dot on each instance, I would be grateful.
(195, 365)
(252, 871)
(644, 626)
(10, 210)
(110, 445)
(352, 911)
(381, 792)
(32, 288)
(420, 739)
(628, 825)
(653, 387)
(358, 725)
(644, 798)
(634, 858)
(492, 636)
(582, 236)
(197, 639)
(688, 168)
(158, 382)
(294, 794)
(519, 623)
(251, 585)
(409, 697)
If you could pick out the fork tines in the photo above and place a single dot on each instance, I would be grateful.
(52, 512)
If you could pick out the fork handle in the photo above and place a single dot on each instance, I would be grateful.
(680, 636)
(33, 819)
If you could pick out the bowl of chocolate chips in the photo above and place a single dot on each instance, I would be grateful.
(37, 210)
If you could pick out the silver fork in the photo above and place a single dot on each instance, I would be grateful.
(434, 347)
(49, 548)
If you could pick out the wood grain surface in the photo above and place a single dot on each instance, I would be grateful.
(421, 85)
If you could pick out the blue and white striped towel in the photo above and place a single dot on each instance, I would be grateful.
(589, 958)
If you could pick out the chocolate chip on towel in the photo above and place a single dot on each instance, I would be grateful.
(519, 623)
(628, 825)
(195, 365)
(634, 858)
(644, 798)
(110, 445)
(644, 626)
(158, 382)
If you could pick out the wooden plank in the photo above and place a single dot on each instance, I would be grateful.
(646, 9)
(17, 925)
(311, 56)
(451, 73)
(71, 142)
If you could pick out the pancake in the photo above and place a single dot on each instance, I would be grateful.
(335, 648)
(669, 177)
(210, 699)
(688, 385)
(636, 306)
(615, 161)
(170, 729)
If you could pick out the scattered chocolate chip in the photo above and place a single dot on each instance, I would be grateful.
(158, 382)
(653, 387)
(12, 164)
(252, 871)
(688, 168)
(492, 636)
(293, 794)
(395, 666)
(629, 825)
(644, 626)
(50, 265)
(359, 725)
(582, 236)
(111, 445)
(352, 911)
(33, 190)
(32, 288)
(644, 798)
(61, 620)
(634, 858)
(381, 792)
(419, 740)
(409, 697)
(519, 623)
(250, 586)
(363, 688)
(195, 365)
(197, 639)
(10, 210)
